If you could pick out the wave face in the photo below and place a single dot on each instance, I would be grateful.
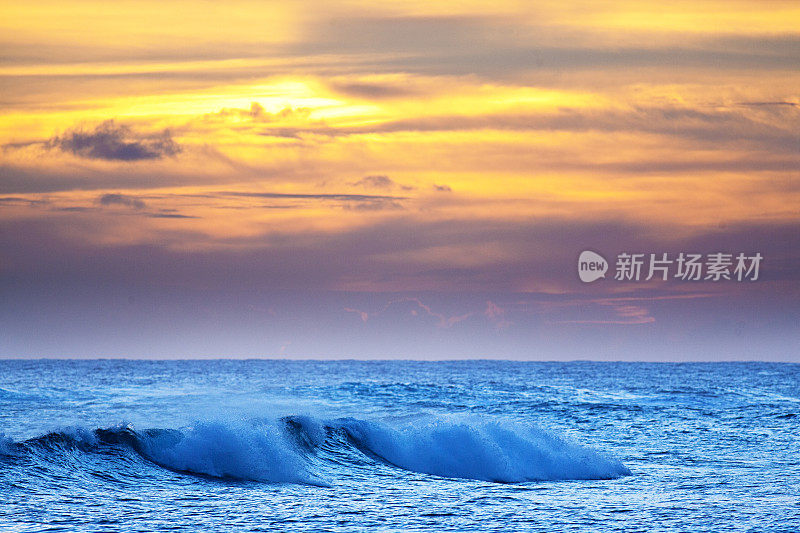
(287, 450)
(258, 452)
(490, 451)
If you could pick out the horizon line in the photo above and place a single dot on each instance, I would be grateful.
(379, 360)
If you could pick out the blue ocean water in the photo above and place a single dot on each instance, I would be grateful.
(256, 445)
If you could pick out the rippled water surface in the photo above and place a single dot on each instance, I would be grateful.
(447, 446)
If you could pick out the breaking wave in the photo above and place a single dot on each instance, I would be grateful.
(293, 449)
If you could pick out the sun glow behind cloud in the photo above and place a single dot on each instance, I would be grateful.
(437, 147)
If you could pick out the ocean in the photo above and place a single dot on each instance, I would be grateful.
(276, 445)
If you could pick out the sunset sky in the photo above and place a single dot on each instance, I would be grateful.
(396, 179)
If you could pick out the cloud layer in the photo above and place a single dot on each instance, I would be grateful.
(417, 175)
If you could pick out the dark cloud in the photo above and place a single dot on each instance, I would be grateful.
(169, 215)
(75, 209)
(380, 182)
(354, 202)
(121, 199)
(759, 104)
(18, 200)
(375, 182)
(301, 196)
(115, 142)
(257, 113)
(373, 205)
(133, 202)
(442, 188)
(135, 205)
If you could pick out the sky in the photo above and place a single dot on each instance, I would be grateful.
(400, 179)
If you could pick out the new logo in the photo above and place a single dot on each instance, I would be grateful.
(591, 266)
